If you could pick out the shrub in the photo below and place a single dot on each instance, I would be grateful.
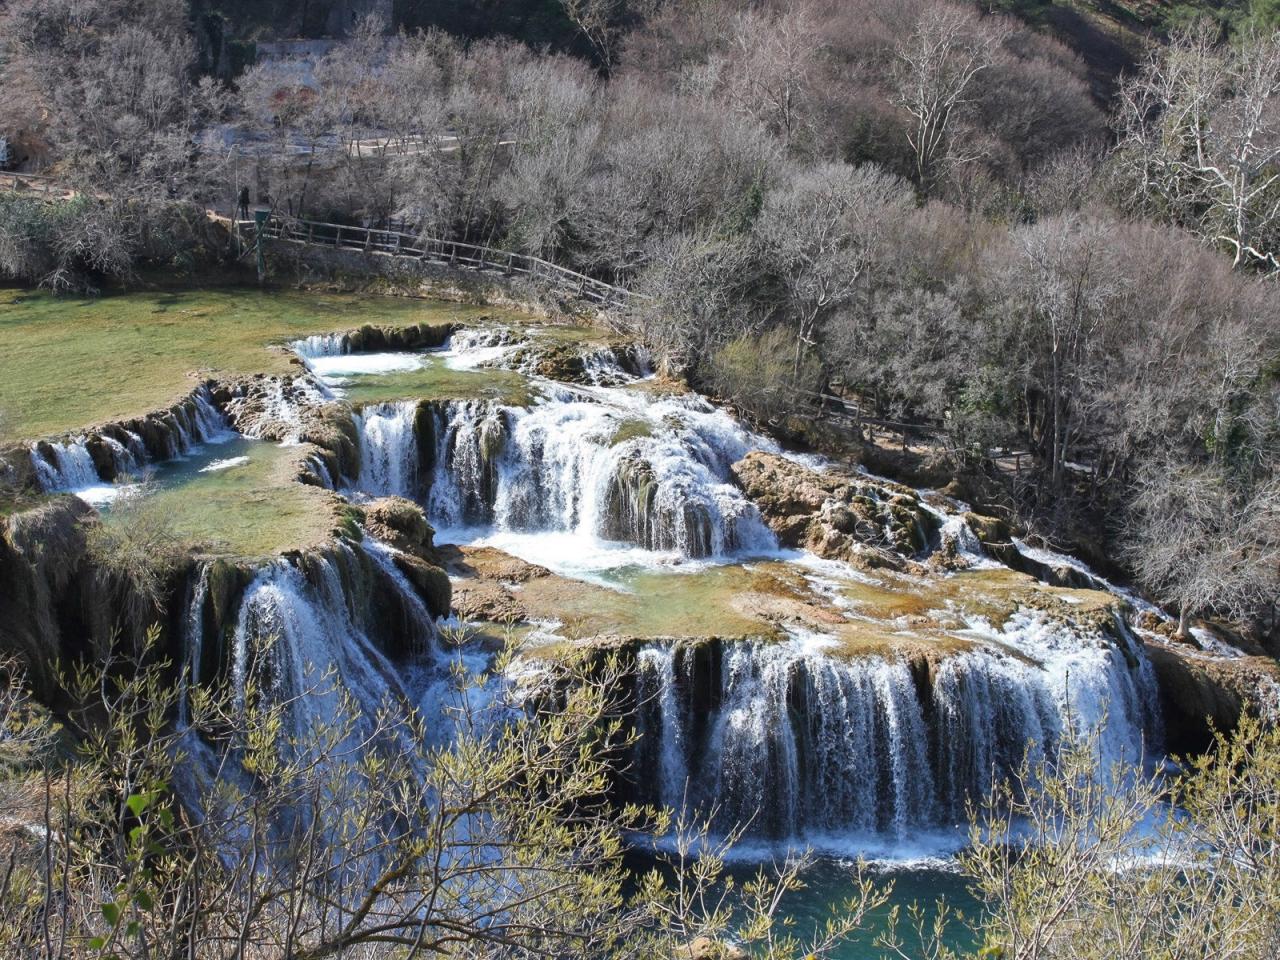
(757, 373)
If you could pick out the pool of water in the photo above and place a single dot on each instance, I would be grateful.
(236, 497)
(831, 882)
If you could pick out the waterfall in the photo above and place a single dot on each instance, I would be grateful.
(296, 623)
(319, 472)
(68, 466)
(211, 424)
(62, 467)
(795, 742)
(603, 464)
(423, 636)
(388, 448)
(470, 435)
(322, 345)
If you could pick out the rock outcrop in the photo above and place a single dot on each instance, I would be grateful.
(836, 514)
(402, 524)
(420, 336)
(488, 583)
(58, 605)
(569, 362)
(1202, 693)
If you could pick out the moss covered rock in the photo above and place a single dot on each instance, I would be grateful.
(431, 583)
(400, 523)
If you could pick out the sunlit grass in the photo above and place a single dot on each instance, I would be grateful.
(69, 362)
(436, 381)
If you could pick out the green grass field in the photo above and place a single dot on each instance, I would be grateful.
(67, 363)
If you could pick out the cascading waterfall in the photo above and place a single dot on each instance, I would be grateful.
(793, 741)
(602, 463)
(309, 635)
(210, 422)
(294, 625)
(196, 421)
(470, 436)
(796, 743)
(788, 737)
(69, 465)
(389, 449)
(322, 345)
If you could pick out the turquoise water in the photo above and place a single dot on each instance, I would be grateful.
(831, 882)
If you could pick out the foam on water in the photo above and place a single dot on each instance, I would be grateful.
(218, 465)
(606, 465)
(335, 370)
(571, 554)
(806, 747)
(476, 347)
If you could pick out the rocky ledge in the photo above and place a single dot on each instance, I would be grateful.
(835, 514)
(401, 524)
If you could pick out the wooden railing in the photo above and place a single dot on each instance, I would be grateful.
(400, 243)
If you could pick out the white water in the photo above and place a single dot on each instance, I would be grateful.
(603, 464)
(72, 470)
(72, 467)
(219, 465)
(211, 423)
(476, 347)
(297, 636)
(278, 407)
(389, 449)
(787, 736)
(321, 345)
(806, 747)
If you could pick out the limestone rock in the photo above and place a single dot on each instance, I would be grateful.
(1201, 693)
(836, 514)
(431, 583)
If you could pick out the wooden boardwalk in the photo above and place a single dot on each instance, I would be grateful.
(452, 253)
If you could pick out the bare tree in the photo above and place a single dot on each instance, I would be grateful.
(817, 231)
(602, 23)
(1199, 540)
(1059, 291)
(1200, 139)
(771, 68)
(933, 80)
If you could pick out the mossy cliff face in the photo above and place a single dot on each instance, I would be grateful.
(422, 336)
(403, 525)
(58, 605)
(1202, 694)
